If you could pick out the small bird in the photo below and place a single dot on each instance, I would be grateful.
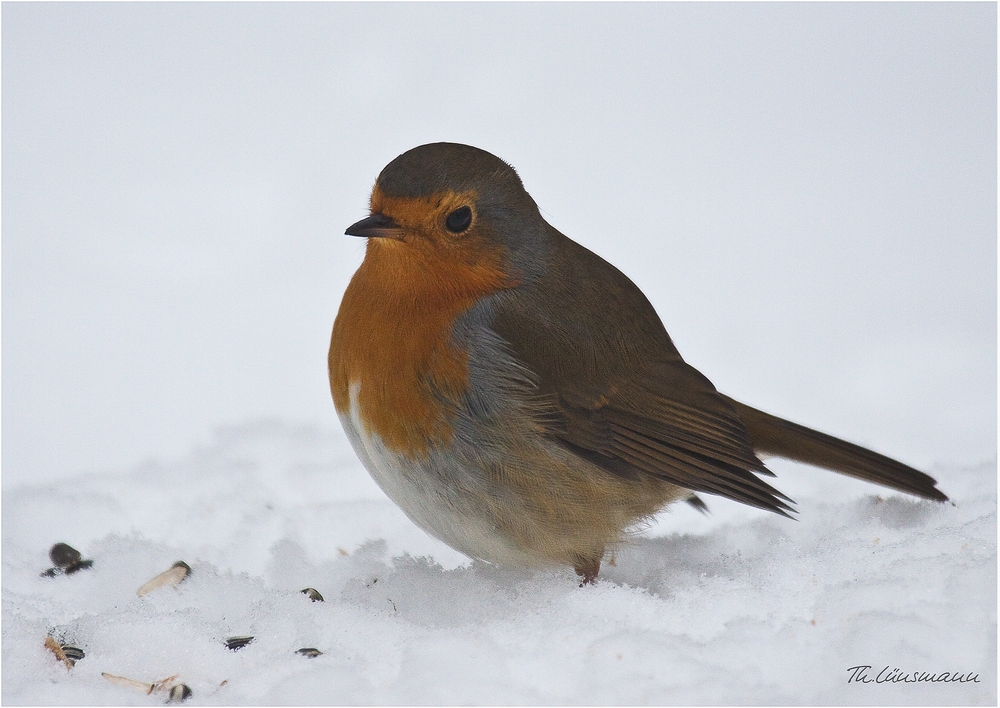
(518, 397)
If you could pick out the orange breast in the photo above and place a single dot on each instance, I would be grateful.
(392, 338)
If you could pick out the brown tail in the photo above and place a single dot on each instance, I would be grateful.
(774, 436)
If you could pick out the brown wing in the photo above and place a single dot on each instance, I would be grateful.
(669, 429)
(620, 395)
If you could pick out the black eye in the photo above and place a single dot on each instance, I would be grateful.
(459, 220)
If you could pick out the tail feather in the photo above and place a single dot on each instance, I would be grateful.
(771, 435)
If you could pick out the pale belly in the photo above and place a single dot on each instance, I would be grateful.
(520, 500)
(436, 495)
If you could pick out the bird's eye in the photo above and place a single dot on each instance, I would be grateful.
(459, 220)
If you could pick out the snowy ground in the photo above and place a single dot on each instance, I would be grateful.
(736, 608)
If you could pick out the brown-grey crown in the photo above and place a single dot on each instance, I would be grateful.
(438, 166)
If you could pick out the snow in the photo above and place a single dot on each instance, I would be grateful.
(739, 607)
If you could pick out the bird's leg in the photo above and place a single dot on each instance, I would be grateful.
(587, 570)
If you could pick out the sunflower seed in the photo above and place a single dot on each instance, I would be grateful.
(237, 643)
(79, 565)
(63, 555)
(313, 594)
(67, 560)
(74, 654)
(179, 693)
(310, 652)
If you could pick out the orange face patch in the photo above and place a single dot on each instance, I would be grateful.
(424, 215)
(393, 332)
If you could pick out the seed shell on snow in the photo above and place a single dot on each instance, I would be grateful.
(166, 684)
(313, 594)
(173, 576)
(310, 652)
(129, 683)
(53, 646)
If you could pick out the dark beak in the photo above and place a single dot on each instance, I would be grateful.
(376, 226)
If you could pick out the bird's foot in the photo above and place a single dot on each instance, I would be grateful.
(588, 570)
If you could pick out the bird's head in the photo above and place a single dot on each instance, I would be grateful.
(452, 216)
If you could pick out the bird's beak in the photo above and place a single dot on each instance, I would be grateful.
(376, 226)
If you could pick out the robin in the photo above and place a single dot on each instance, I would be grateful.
(518, 397)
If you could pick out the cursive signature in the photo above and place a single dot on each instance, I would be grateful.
(859, 674)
